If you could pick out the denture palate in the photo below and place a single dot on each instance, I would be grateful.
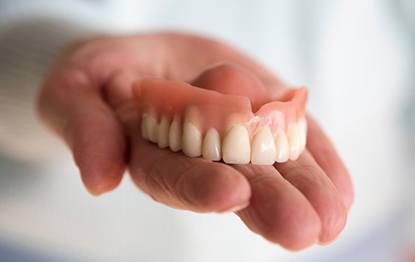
(216, 126)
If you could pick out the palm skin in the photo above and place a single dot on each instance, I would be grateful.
(87, 100)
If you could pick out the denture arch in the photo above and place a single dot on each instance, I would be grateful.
(206, 123)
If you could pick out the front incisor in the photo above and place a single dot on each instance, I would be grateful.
(263, 147)
(236, 148)
(211, 145)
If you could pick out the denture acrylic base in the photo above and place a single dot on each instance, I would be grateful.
(215, 126)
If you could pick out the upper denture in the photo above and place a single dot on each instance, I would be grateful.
(179, 115)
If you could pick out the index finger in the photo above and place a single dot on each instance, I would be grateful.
(186, 183)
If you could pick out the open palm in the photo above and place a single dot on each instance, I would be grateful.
(87, 99)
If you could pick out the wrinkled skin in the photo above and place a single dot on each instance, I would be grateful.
(87, 100)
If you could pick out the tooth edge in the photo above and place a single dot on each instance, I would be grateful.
(236, 148)
(281, 147)
(144, 127)
(211, 146)
(263, 150)
(175, 135)
(163, 133)
(191, 140)
(293, 142)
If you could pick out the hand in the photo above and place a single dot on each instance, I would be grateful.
(87, 100)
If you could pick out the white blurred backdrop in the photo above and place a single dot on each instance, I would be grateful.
(358, 59)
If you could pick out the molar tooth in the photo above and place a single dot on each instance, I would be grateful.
(282, 148)
(191, 140)
(150, 126)
(236, 146)
(154, 134)
(294, 141)
(211, 145)
(175, 134)
(263, 147)
(302, 127)
(163, 134)
(144, 126)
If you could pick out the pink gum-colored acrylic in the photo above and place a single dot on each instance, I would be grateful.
(209, 108)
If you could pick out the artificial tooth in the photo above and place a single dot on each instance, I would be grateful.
(191, 136)
(191, 140)
(281, 146)
(143, 126)
(302, 127)
(153, 136)
(236, 148)
(163, 133)
(294, 141)
(263, 147)
(211, 145)
(150, 126)
(175, 134)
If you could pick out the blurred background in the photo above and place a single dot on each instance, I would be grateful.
(357, 57)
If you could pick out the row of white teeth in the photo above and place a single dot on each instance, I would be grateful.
(236, 146)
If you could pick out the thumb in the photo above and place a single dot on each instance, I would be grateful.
(232, 79)
(73, 107)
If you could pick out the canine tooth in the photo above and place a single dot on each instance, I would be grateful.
(191, 136)
(150, 127)
(282, 148)
(294, 141)
(263, 147)
(211, 145)
(236, 148)
(191, 140)
(302, 127)
(163, 134)
(175, 134)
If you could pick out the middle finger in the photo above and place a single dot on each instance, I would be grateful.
(307, 176)
(277, 210)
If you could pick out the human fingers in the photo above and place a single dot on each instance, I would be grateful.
(329, 160)
(72, 106)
